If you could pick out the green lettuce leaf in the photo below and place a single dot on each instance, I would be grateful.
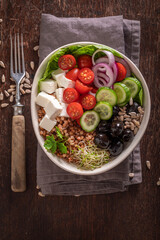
(73, 48)
(139, 97)
(90, 49)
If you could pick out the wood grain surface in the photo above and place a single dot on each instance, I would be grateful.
(133, 215)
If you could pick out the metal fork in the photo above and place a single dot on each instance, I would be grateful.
(17, 72)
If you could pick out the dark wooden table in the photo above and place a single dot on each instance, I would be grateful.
(131, 215)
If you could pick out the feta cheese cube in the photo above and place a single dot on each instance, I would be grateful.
(43, 99)
(64, 112)
(53, 109)
(59, 94)
(65, 82)
(47, 123)
(48, 86)
(58, 74)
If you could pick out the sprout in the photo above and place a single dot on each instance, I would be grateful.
(90, 156)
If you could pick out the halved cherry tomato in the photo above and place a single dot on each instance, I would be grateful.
(88, 101)
(73, 74)
(75, 110)
(70, 95)
(85, 61)
(78, 121)
(86, 75)
(67, 62)
(82, 88)
(121, 72)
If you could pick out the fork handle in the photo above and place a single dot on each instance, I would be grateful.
(18, 164)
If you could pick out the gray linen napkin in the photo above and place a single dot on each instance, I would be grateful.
(116, 32)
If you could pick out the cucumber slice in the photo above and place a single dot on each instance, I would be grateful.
(123, 93)
(89, 120)
(133, 84)
(107, 95)
(104, 109)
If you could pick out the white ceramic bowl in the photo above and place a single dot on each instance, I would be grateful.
(70, 167)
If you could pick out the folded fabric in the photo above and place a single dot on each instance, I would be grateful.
(116, 32)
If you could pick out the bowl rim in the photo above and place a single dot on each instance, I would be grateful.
(125, 152)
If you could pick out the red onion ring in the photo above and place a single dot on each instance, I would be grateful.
(102, 60)
(111, 59)
(115, 72)
(120, 60)
(109, 74)
(114, 68)
(125, 64)
(103, 75)
(99, 82)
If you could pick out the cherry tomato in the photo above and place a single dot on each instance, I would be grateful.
(73, 74)
(88, 101)
(86, 75)
(82, 88)
(121, 72)
(78, 121)
(85, 61)
(70, 95)
(67, 62)
(75, 110)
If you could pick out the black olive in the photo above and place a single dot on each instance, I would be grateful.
(132, 108)
(127, 135)
(102, 130)
(116, 147)
(101, 140)
(117, 128)
(104, 126)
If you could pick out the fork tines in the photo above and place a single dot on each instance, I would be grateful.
(18, 55)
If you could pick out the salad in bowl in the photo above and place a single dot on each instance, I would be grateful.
(90, 107)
